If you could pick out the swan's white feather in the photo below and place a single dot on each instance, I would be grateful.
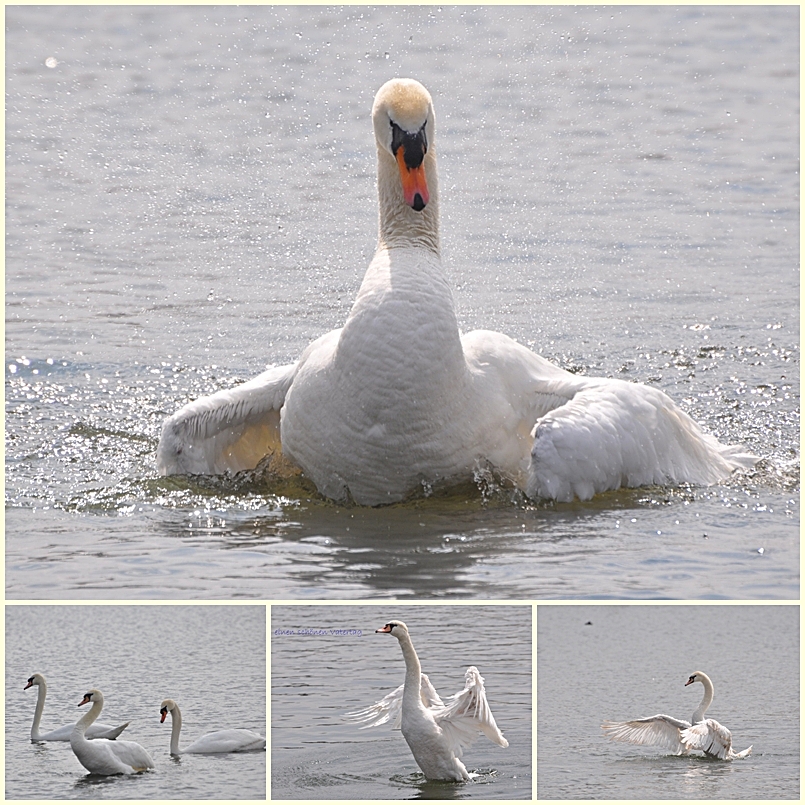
(389, 708)
(398, 398)
(713, 739)
(702, 734)
(659, 730)
(612, 434)
(218, 742)
(466, 714)
(102, 756)
(231, 430)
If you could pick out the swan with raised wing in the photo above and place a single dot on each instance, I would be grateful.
(678, 735)
(101, 756)
(436, 731)
(398, 399)
(63, 733)
(232, 740)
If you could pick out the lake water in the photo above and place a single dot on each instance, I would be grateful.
(317, 678)
(210, 659)
(190, 198)
(597, 663)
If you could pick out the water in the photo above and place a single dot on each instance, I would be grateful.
(190, 197)
(210, 659)
(317, 678)
(597, 663)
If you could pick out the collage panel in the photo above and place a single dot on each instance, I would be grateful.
(120, 673)
(338, 677)
(570, 371)
(617, 684)
(588, 347)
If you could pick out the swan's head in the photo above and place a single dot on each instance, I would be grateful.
(167, 707)
(396, 628)
(92, 696)
(36, 679)
(697, 676)
(404, 124)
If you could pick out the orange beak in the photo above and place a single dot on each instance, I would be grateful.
(414, 184)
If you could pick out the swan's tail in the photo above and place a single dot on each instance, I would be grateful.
(113, 733)
(738, 755)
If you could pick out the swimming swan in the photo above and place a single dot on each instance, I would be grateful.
(63, 733)
(236, 740)
(437, 732)
(398, 398)
(706, 735)
(101, 756)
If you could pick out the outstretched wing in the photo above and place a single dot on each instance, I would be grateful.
(659, 730)
(389, 708)
(613, 434)
(231, 430)
(465, 715)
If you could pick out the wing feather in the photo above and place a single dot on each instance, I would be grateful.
(613, 434)
(466, 714)
(389, 708)
(659, 730)
(233, 429)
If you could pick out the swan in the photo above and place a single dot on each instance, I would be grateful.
(238, 740)
(704, 734)
(398, 399)
(437, 732)
(63, 733)
(101, 756)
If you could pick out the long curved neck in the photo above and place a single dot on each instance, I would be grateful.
(40, 706)
(176, 728)
(707, 699)
(399, 224)
(83, 723)
(413, 672)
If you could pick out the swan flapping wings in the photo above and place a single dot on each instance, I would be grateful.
(463, 716)
(679, 736)
(399, 396)
(389, 708)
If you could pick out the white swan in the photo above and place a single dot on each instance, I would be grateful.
(437, 732)
(101, 756)
(63, 733)
(236, 740)
(704, 734)
(398, 398)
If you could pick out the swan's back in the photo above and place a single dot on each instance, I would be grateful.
(102, 756)
(232, 740)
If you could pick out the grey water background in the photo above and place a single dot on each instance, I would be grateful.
(318, 676)
(597, 663)
(191, 197)
(210, 659)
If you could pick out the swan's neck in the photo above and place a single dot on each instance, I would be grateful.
(399, 224)
(413, 674)
(40, 706)
(83, 723)
(707, 699)
(176, 728)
